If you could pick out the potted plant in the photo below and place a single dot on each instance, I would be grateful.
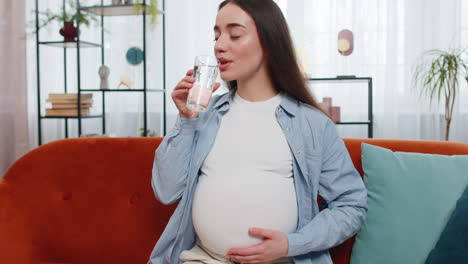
(151, 10)
(437, 75)
(149, 133)
(67, 18)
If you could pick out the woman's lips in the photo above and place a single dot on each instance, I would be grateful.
(224, 66)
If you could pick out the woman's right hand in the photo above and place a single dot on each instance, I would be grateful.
(180, 93)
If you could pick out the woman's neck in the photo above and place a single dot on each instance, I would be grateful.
(258, 87)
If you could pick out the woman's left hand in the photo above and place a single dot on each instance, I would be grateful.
(274, 246)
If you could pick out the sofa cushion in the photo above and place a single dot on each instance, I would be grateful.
(410, 198)
(451, 247)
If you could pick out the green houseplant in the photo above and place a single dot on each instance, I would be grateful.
(437, 75)
(151, 10)
(149, 133)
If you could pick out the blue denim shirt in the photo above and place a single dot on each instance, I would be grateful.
(321, 166)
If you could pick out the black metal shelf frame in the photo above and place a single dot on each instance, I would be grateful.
(101, 10)
(71, 117)
(370, 122)
(70, 44)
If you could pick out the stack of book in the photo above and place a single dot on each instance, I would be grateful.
(66, 104)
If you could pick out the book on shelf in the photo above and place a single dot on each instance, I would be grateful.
(66, 112)
(68, 96)
(69, 101)
(56, 105)
(70, 106)
(66, 104)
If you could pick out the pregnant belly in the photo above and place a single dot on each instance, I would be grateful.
(224, 210)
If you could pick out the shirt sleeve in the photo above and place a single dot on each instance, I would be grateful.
(172, 161)
(343, 189)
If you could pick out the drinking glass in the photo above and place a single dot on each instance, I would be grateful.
(205, 71)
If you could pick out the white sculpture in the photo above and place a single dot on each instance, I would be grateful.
(104, 74)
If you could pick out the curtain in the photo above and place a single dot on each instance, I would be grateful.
(389, 37)
(13, 110)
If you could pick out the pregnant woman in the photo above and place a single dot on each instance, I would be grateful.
(247, 172)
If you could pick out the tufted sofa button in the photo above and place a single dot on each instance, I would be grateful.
(67, 196)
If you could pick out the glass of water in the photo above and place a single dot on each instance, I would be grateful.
(205, 71)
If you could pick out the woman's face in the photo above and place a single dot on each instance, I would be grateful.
(237, 47)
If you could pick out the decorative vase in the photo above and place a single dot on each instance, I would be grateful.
(335, 114)
(69, 31)
(327, 103)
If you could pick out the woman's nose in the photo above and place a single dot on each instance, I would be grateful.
(220, 45)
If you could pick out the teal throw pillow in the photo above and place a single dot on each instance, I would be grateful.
(452, 246)
(410, 199)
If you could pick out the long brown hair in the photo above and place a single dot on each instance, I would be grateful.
(277, 45)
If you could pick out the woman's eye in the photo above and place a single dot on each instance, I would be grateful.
(232, 37)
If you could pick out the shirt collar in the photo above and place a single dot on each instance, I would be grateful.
(225, 98)
(288, 103)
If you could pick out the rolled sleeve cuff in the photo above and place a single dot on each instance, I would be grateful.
(295, 244)
(186, 123)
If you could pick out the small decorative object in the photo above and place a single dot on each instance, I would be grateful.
(327, 103)
(68, 31)
(134, 55)
(104, 75)
(333, 111)
(345, 42)
(335, 114)
(125, 81)
(438, 73)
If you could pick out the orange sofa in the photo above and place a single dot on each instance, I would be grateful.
(90, 201)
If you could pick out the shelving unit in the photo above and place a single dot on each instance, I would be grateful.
(113, 10)
(102, 11)
(70, 44)
(369, 123)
